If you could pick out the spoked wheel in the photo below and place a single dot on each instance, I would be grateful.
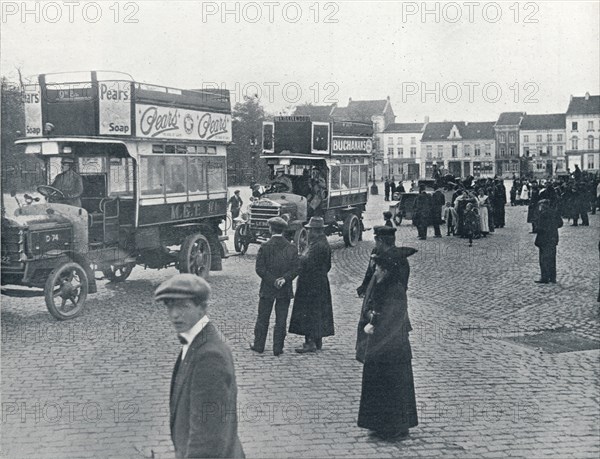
(301, 239)
(240, 239)
(195, 255)
(118, 273)
(66, 291)
(351, 230)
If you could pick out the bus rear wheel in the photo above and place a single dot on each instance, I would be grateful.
(195, 255)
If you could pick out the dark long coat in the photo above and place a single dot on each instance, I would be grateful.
(547, 230)
(437, 202)
(387, 402)
(312, 314)
(422, 210)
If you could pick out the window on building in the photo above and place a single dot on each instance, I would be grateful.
(590, 126)
(590, 142)
(549, 137)
(390, 152)
(525, 138)
(559, 150)
(526, 152)
(400, 140)
(538, 138)
(511, 138)
(574, 143)
(540, 151)
(413, 152)
(590, 162)
(511, 151)
(454, 151)
(440, 151)
(413, 140)
(467, 150)
(502, 151)
(559, 137)
(477, 150)
(429, 151)
(574, 126)
(540, 165)
(502, 138)
(488, 149)
(559, 165)
(401, 152)
(549, 149)
(391, 140)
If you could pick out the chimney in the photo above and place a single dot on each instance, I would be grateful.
(466, 123)
(587, 96)
(426, 120)
(571, 97)
(388, 97)
(349, 100)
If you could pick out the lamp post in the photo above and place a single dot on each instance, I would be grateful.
(374, 189)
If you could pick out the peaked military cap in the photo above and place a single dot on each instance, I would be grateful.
(384, 230)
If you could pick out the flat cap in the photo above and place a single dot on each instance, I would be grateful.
(277, 222)
(183, 287)
(384, 230)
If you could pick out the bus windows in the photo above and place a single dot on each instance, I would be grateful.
(196, 175)
(216, 175)
(152, 176)
(175, 175)
(354, 176)
(335, 177)
(345, 177)
(364, 170)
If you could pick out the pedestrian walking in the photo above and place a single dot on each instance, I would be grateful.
(387, 403)
(277, 266)
(203, 398)
(546, 241)
(386, 189)
(422, 213)
(482, 208)
(235, 202)
(471, 222)
(312, 313)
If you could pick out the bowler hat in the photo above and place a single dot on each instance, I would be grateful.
(277, 223)
(183, 287)
(384, 230)
(315, 222)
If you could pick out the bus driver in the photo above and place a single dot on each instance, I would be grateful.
(282, 180)
(69, 182)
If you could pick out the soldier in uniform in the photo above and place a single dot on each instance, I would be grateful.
(277, 266)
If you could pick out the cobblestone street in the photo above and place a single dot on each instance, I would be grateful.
(486, 384)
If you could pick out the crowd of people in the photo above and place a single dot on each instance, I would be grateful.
(475, 209)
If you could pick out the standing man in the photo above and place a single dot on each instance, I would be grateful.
(203, 389)
(236, 204)
(422, 213)
(437, 203)
(546, 241)
(69, 183)
(386, 189)
(277, 266)
(312, 314)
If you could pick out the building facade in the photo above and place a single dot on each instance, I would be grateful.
(402, 150)
(583, 133)
(459, 148)
(543, 144)
(506, 131)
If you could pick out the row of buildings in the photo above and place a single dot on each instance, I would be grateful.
(516, 143)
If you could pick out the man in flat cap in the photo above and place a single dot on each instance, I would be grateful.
(203, 396)
(277, 266)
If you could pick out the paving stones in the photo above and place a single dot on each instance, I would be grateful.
(98, 386)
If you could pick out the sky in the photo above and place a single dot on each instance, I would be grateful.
(446, 60)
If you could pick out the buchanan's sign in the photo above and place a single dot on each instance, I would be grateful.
(352, 145)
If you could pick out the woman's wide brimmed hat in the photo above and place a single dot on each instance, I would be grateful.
(316, 222)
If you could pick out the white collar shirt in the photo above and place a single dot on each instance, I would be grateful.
(191, 334)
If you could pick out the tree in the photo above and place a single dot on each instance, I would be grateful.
(243, 155)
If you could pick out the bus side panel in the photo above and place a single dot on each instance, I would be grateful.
(182, 212)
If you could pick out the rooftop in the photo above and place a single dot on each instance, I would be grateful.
(541, 122)
(467, 130)
(586, 105)
(510, 118)
(404, 127)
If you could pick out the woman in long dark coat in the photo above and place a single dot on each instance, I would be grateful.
(312, 315)
(387, 403)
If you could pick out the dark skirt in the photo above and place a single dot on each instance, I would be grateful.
(387, 401)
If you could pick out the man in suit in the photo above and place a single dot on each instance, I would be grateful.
(422, 213)
(546, 240)
(70, 184)
(277, 265)
(203, 397)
